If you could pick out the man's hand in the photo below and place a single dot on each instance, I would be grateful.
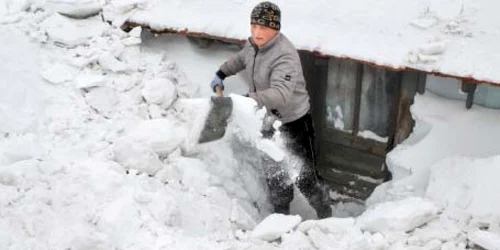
(216, 81)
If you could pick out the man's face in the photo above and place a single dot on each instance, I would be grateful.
(262, 34)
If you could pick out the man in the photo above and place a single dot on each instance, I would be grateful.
(277, 82)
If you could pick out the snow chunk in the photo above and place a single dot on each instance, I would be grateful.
(404, 215)
(486, 240)
(59, 73)
(135, 32)
(162, 135)
(88, 79)
(72, 32)
(274, 226)
(76, 8)
(433, 48)
(160, 91)
(136, 155)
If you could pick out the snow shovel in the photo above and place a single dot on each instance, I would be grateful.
(216, 122)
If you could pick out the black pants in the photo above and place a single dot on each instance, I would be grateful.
(299, 137)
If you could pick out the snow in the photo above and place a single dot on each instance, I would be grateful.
(449, 36)
(466, 183)
(404, 215)
(486, 240)
(92, 157)
(275, 225)
(75, 8)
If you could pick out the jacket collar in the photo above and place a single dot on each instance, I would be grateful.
(267, 45)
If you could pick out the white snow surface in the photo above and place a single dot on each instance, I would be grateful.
(92, 156)
(275, 225)
(455, 37)
(486, 240)
(404, 215)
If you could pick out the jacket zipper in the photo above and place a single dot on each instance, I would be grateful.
(256, 49)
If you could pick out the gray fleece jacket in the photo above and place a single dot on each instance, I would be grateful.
(276, 78)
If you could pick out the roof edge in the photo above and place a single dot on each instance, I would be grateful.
(187, 32)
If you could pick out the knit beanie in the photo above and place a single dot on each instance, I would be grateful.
(266, 14)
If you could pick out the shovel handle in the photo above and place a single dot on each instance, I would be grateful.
(219, 91)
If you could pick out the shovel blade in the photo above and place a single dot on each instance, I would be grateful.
(216, 122)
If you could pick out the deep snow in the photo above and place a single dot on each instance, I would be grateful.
(97, 151)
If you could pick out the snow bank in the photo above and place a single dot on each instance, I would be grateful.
(443, 134)
(468, 184)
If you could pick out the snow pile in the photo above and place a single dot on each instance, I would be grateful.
(434, 151)
(452, 159)
(95, 141)
(98, 150)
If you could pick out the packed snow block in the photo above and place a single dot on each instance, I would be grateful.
(404, 215)
(59, 73)
(485, 239)
(468, 184)
(136, 155)
(75, 8)
(70, 32)
(160, 91)
(162, 135)
(274, 226)
(89, 79)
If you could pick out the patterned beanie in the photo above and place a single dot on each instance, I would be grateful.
(266, 14)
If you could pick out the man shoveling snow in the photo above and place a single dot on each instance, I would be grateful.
(277, 83)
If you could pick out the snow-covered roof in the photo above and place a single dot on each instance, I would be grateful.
(450, 37)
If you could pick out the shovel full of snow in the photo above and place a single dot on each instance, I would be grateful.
(216, 122)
